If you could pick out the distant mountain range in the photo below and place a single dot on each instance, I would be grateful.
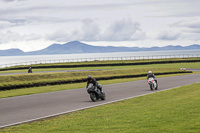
(75, 47)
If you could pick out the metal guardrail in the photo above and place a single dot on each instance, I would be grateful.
(101, 59)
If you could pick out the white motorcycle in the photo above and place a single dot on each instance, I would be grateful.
(152, 83)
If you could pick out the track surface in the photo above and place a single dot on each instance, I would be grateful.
(22, 109)
(193, 69)
(190, 69)
(53, 71)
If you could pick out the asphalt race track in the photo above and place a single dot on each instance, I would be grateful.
(193, 69)
(53, 71)
(189, 69)
(22, 109)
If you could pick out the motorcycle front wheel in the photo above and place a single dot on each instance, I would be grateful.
(156, 87)
(103, 96)
(151, 86)
(93, 97)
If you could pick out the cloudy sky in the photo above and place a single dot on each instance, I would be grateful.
(35, 24)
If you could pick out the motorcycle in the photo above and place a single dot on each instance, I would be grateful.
(95, 94)
(152, 83)
(29, 71)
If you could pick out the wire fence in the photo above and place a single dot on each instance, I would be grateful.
(100, 59)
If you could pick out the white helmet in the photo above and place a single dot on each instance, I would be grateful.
(149, 72)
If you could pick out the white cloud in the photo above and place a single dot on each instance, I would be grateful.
(5, 24)
(123, 30)
(8, 0)
(193, 23)
(10, 36)
(189, 28)
(93, 21)
(90, 30)
(12, 0)
(86, 30)
(168, 35)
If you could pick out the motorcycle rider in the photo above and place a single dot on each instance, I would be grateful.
(94, 82)
(151, 75)
(30, 70)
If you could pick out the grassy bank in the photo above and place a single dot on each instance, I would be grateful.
(150, 66)
(175, 111)
(36, 79)
(31, 80)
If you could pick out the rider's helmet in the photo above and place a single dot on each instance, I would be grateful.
(149, 72)
(89, 77)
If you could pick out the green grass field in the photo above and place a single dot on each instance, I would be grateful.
(78, 75)
(175, 111)
(172, 65)
(21, 79)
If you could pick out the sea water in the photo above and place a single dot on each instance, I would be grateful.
(35, 59)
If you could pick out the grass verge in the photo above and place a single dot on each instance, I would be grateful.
(175, 111)
(30, 80)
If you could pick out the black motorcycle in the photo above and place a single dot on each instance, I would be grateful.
(29, 70)
(95, 94)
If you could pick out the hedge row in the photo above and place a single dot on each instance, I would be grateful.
(99, 65)
(10, 87)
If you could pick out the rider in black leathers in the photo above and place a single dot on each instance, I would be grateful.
(94, 82)
(151, 75)
(30, 70)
